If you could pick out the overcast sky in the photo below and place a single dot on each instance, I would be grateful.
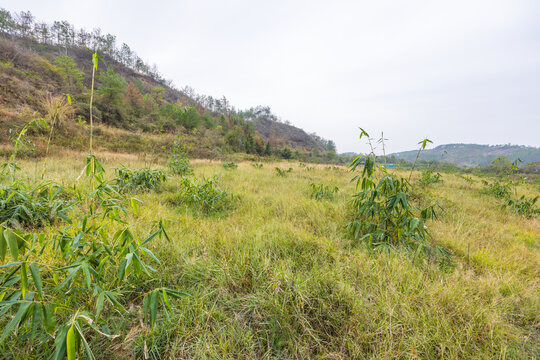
(454, 71)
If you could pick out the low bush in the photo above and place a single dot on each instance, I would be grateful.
(138, 180)
(179, 162)
(382, 214)
(229, 165)
(32, 207)
(283, 172)
(429, 177)
(523, 206)
(321, 191)
(497, 188)
(203, 195)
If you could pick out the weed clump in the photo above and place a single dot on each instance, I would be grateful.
(138, 180)
(204, 195)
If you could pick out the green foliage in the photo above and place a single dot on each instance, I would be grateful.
(523, 206)
(179, 162)
(110, 99)
(180, 115)
(282, 172)
(429, 177)
(70, 73)
(139, 180)
(257, 165)
(203, 195)
(93, 268)
(286, 153)
(322, 191)
(22, 206)
(381, 213)
(229, 165)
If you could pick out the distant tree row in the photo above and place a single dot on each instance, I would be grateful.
(24, 25)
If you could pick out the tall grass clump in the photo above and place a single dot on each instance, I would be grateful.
(381, 213)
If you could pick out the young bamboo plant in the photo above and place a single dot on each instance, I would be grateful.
(59, 291)
(381, 213)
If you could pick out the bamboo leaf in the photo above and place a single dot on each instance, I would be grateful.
(12, 243)
(49, 318)
(70, 344)
(34, 270)
(3, 245)
(25, 304)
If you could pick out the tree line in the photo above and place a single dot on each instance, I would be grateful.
(61, 33)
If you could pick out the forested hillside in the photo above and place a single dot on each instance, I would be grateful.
(473, 154)
(47, 67)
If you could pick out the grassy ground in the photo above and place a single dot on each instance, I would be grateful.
(275, 277)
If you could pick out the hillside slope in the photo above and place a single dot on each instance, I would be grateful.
(34, 74)
(468, 155)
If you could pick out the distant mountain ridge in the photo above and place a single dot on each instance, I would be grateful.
(470, 155)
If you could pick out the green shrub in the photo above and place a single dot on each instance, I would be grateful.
(381, 213)
(321, 191)
(229, 165)
(257, 165)
(179, 162)
(32, 207)
(428, 177)
(523, 206)
(497, 188)
(283, 172)
(138, 180)
(204, 195)
(58, 290)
